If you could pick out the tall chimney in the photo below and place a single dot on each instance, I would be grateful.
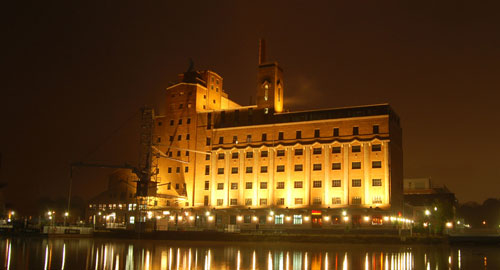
(262, 51)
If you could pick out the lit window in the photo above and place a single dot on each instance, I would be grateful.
(299, 201)
(316, 200)
(263, 202)
(278, 219)
(280, 201)
(336, 200)
(248, 202)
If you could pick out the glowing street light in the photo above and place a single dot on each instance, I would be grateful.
(427, 212)
(344, 213)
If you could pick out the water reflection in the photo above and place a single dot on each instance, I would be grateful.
(145, 255)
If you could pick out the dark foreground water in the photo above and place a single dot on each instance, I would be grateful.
(38, 253)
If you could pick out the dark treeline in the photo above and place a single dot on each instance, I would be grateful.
(474, 213)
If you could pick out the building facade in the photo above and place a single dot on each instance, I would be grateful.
(261, 164)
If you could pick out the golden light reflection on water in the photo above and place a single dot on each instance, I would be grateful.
(149, 255)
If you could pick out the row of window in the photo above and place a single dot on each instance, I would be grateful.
(296, 184)
(297, 167)
(179, 122)
(298, 151)
(297, 201)
(298, 134)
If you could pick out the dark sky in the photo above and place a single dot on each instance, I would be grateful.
(75, 75)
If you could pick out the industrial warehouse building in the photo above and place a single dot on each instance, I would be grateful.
(219, 164)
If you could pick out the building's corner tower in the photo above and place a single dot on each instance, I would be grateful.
(269, 82)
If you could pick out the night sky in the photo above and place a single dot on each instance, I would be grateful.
(75, 75)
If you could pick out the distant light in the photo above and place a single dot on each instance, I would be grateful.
(191, 218)
(346, 218)
(186, 214)
(207, 213)
(12, 213)
(270, 218)
(271, 213)
(210, 218)
(484, 222)
(435, 208)
(179, 218)
(386, 218)
(172, 217)
(288, 218)
(327, 218)
(344, 213)
(66, 214)
(306, 218)
(158, 217)
(427, 212)
(458, 222)
(97, 213)
(449, 224)
(254, 218)
(425, 224)
(240, 218)
(49, 213)
(166, 212)
(366, 218)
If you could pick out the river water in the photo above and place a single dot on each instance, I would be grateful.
(40, 253)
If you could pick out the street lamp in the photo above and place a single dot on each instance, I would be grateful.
(427, 212)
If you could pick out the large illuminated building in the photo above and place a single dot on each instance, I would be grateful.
(260, 165)
(244, 162)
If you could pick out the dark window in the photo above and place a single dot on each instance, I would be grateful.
(220, 156)
(220, 186)
(316, 184)
(169, 186)
(249, 138)
(234, 155)
(233, 202)
(280, 153)
(263, 169)
(221, 140)
(356, 182)
(188, 137)
(297, 184)
(207, 169)
(316, 133)
(158, 140)
(171, 138)
(186, 169)
(220, 202)
(298, 167)
(375, 129)
(187, 153)
(336, 150)
(207, 185)
(176, 186)
(169, 169)
(280, 168)
(281, 136)
(263, 185)
(298, 134)
(264, 137)
(220, 171)
(178, 153)
(356, 148)
(317, 200)
(299, 201)
(280, 201)
(235, 139)
(335, 132)
(234, 185)
(189, 121)
(317, 151)
(207, 157)
(248, 185)
(208, 141)
(355, 130)
(336, 166)
(264, 153)
(336, 183)
(234, 170)
(299, 152)
(249, 154)
(316, 167)
(356, 200)
(376, 147)
(280, 185)
(179, 137)
(172, 122)
(180, 121)
(377, 182)
(248, 219)
(178, 169)
(376, 164)
(205, 201)
(249, 170)
(159, 123)
(263, 202)
(356, 165)
(336, 200)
